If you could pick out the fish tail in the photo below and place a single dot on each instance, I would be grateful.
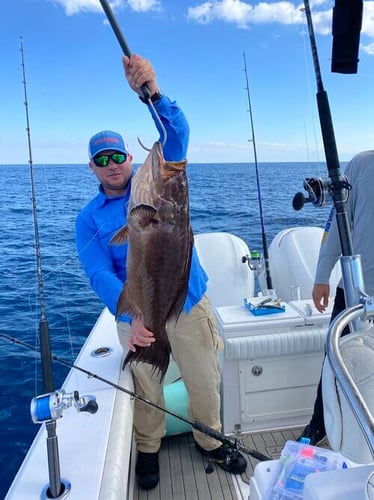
(157, 355)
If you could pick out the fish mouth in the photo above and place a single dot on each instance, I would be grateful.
(175, 166)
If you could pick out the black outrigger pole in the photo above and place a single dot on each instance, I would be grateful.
(338, 183)
(338, 186)
(269, 282)
(56, 486)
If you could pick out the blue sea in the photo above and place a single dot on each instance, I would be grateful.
(223, 197)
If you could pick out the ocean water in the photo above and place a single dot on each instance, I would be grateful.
(223, 197)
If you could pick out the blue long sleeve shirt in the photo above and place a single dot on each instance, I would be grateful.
(100, 219)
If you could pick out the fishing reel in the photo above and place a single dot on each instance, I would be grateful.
(51, 406)
(254, 261)
(320, 192)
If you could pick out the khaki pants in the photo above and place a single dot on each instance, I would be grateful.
(194, 343)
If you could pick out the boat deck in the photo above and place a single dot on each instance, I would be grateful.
(182, 468)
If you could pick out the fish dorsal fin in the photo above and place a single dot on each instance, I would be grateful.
(120, 237)
(143, 214)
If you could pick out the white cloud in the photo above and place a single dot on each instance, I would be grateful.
(368, 19)
(369, 49)
(75, 6)
(227, 10)
(322, 21)
(243, 13)
(144, 5)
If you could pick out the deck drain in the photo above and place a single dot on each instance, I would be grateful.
(101, 352)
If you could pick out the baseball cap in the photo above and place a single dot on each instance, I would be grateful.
(107, 139)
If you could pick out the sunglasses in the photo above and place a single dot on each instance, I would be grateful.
(103, 160)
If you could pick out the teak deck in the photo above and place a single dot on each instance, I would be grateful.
(182, 468)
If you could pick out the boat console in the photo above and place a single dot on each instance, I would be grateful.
(271, 365)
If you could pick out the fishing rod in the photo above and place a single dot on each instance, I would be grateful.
(233, 442)
(126, 50)
(43, 325)
(336, 187)
(269, 282)
(56, 485)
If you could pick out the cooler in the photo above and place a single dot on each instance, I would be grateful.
(271, 366)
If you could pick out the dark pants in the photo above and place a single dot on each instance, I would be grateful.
(317, 421)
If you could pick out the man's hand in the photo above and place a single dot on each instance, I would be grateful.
(139, 335)
(320, 296)
(139, 71)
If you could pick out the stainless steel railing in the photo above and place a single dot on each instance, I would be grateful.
(363, 415)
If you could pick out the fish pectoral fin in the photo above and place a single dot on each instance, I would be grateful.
(120, 237)
(144, 214)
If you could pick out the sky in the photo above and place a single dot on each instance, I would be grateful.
(76, 86)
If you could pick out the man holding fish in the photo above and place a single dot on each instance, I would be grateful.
(136, 245)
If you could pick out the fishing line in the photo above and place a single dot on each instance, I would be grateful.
(233, 442)
(52, 217)
(312, 111)
(269, 282)
(305, 104)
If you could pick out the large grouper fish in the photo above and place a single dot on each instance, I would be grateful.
(160, 241)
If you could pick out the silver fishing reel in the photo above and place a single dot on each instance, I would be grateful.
(52, 405)
(254, 260)
(319, 191)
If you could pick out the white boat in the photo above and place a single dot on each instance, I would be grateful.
(270, 369)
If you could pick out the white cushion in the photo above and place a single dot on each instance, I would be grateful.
(276, 344)
(342, 428)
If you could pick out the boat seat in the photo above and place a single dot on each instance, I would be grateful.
(230, 280)
(293, 257)
(342, 429)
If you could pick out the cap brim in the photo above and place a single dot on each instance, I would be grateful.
(119, 150)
